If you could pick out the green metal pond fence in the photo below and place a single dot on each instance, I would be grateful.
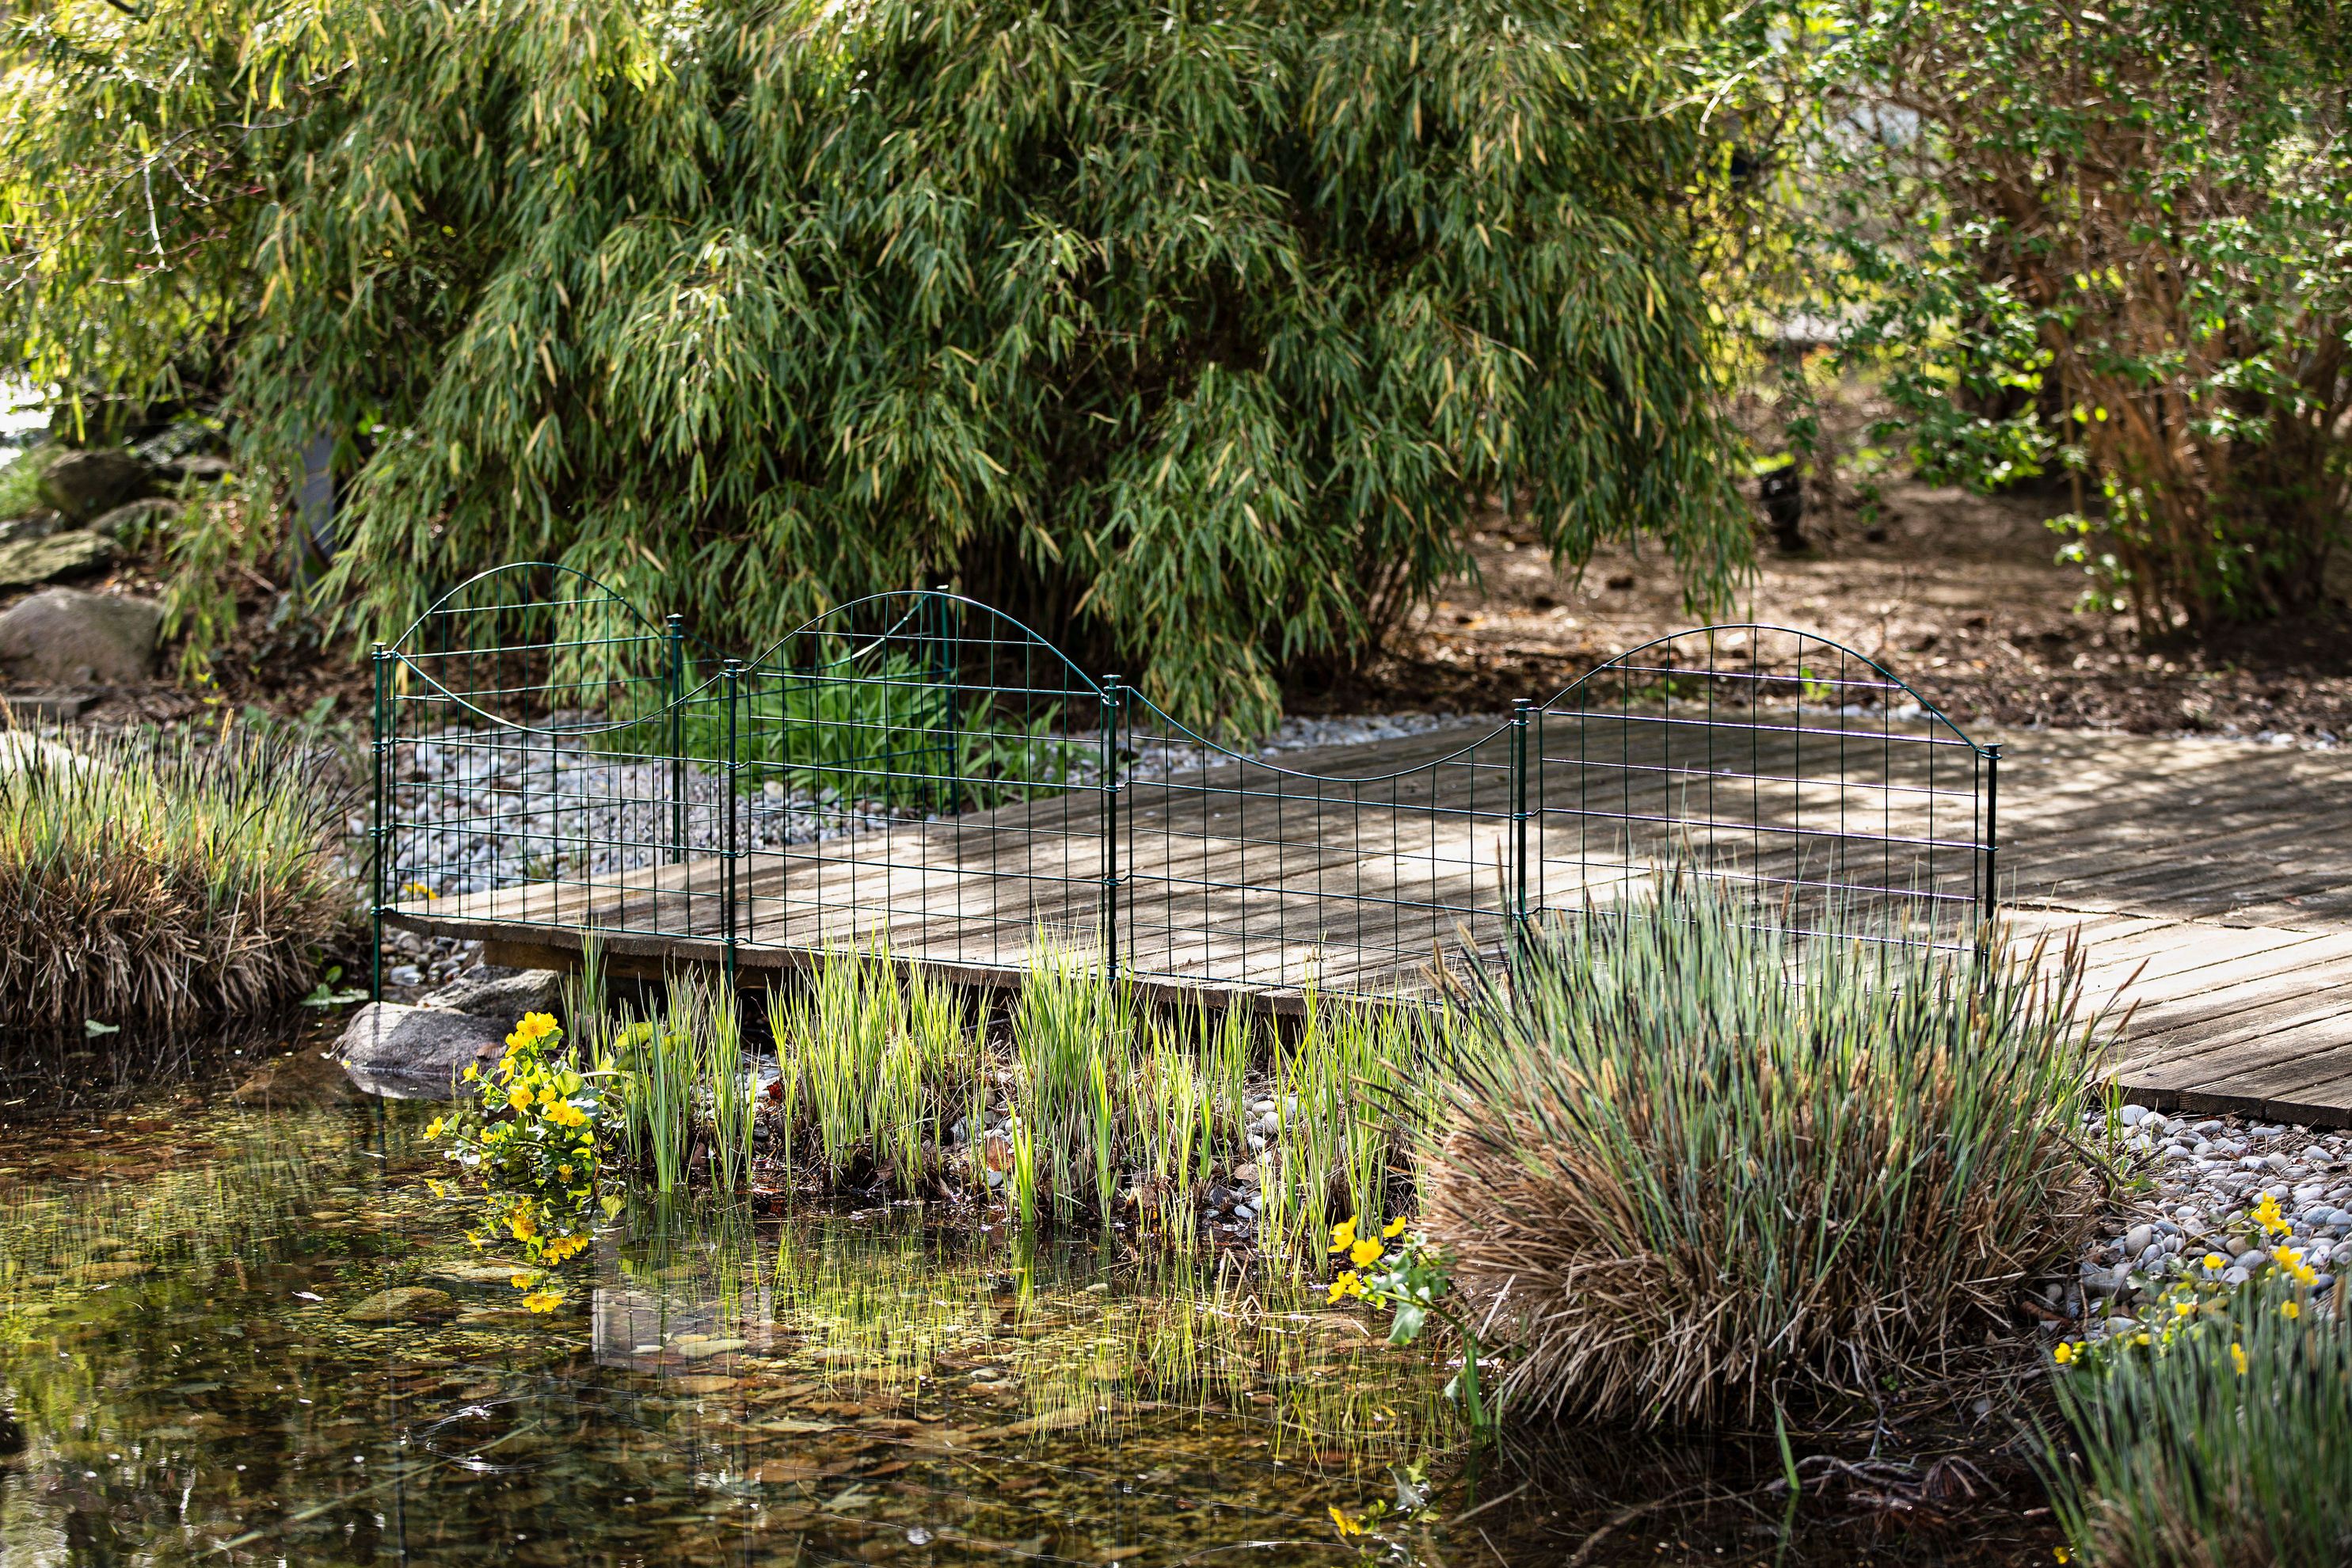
(922, 775)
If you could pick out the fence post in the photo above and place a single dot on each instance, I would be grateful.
(1989, 900)
(1518, 892)
(1112, 705)
(673, 634)
(731, 680)
(379, 830)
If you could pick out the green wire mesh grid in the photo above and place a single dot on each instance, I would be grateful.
(921, 775)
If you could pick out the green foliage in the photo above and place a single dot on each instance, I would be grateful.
(1692, 1156)
(1193, 334)
(2223, 1443)
(20, 479)
(2113, 243)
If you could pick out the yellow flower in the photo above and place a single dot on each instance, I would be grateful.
(2065, 1353)
(1342, 1523)
(2061, 1553)
(2290, 1309)
(2216, 1262)
(435, 1130)
(523, 1225)
(2139, 1338)
(2185, 1308)
(518, 1097)
(473, 1071)
(1343, 1236)
(562, 1173)
(1364, 1253)
(520, 1281)
(1347, 1284)
(2238, 1355)
(543, 1301)
(1395, 1227)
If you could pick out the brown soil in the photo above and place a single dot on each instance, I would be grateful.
(1959, 594)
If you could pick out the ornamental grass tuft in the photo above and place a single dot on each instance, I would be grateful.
(1691, 1161)
(162, 881)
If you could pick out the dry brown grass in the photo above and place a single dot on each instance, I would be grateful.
(1680, 1187)
(160, 882)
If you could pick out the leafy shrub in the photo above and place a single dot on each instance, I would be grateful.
(2221, 1440)
(1198, 337)
(1687, 1155)
(162, 880)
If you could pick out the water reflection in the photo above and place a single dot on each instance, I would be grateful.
(177, 1342)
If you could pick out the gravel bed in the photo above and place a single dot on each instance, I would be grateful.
(474, 810)
(2209, 1173)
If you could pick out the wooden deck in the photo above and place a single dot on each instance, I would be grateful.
(2214, 876)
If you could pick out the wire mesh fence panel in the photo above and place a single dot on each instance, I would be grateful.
(919, 773)
(530, 761)
(1783, 766)
(1352, 877)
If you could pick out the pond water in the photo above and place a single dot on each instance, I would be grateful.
(188, 1293)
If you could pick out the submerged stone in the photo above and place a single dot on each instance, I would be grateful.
(409, 1304)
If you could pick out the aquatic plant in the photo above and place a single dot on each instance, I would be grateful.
(531, 1132)
(162, 880)
(1689, 1153)
(2222, 1438)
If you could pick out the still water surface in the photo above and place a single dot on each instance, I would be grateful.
(189, 1383)
(193, 1379)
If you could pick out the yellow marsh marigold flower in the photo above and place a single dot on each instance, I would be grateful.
(1364, 1253)
(543, 1301)
(2216, 1262)
(1347, 1284)
(518, 1097)
(2238, 1355)
(1393, 1229)
(520, 1281)
(2290, 1309)
(1343, 1236)
(434, 1130)
(2065, 1353)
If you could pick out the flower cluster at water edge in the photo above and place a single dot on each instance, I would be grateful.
(530, 1133)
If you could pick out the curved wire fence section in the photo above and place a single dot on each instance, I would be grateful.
(1792, 772)
(921, 775)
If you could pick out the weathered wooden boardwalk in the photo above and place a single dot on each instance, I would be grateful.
(2210, 881)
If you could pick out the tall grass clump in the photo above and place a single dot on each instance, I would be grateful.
(2225, 1443)
(162, 880)
(872, 1064)
(1687, 1156)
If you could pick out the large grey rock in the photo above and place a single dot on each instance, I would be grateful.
(68, 554)
(135, 519)
(501, 994)
(83, 484)
(417, 1053)
(63, 636)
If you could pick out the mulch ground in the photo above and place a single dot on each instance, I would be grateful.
(1960, 596)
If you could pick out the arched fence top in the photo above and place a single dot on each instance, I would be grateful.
(1886, 682)
(900, 609)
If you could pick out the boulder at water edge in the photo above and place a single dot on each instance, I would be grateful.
(502, 994)
(63, 636)
(417, 1053)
